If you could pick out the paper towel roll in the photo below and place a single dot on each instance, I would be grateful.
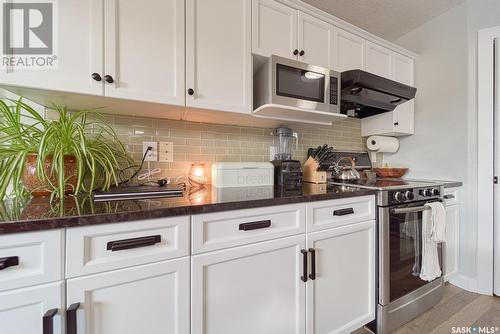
(382, 144)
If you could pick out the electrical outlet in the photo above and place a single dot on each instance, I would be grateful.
(152, 154)
(166, 151)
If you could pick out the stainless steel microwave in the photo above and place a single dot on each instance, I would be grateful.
(290, 83)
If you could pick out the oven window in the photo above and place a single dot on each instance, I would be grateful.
(405, 247)
(301, 84)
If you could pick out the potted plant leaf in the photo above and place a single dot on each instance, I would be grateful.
(76, 152)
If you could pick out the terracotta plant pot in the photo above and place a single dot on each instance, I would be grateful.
(40, 188)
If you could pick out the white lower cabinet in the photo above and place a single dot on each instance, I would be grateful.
(451, 244)
(341, 298)
(33, 310)
(152, 299)
(250, 289)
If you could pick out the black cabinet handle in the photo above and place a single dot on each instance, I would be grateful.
(295, 52)
(10, 261)
(396, 123)
(96, 76)
(108, 78)
(48, 321)
(343, 212)
(304, 264)
(255, 225)
(312, 275)
(449, 196)
(302, 53)
(190, 91)
(119, 245)
(71, 318)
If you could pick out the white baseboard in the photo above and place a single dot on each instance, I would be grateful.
(464, 282)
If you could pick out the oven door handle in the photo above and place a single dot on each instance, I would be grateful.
(410, 210)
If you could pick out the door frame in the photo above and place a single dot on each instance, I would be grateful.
(485, 154)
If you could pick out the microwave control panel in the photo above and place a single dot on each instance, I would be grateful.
(334, 90)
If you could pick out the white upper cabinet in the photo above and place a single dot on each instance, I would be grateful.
(349, 51)
(218, 55)
(378, 60)
(274, 29)
(144, 50)
(79, 51)
(315, 41)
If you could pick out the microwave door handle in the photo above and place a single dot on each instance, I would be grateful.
(296, 136)
(410, 210)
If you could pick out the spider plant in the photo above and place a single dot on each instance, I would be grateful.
(83, 135)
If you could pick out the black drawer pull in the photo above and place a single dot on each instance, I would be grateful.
(343, 212)
(48, 321)
(304, 265)
(255, 225)
(449, 196)
(71, 318)
(10, 261)
(133, 243)
(312, 275)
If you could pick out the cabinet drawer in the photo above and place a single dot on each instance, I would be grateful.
(327, 214)
(451, 196)
(30, 258)
(101, 248)
(232, 228)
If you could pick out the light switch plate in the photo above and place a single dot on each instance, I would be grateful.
(166, 151)
(153, 154)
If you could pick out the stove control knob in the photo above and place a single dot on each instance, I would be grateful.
(399, 197)
(435, 192)
(426, 192)
(409, 195)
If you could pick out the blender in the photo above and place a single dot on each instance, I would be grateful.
(287, 172)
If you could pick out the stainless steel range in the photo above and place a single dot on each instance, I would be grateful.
(402, 295)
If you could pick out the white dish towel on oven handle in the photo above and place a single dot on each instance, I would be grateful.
(433, 232)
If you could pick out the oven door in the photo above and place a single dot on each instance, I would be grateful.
(305, 86)
(400, 251)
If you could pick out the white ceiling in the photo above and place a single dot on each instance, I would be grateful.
(389, 19)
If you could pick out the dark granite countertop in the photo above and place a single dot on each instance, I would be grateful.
(35, 214)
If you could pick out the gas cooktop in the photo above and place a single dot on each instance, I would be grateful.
(386, 184)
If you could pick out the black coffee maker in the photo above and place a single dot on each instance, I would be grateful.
(287, 172)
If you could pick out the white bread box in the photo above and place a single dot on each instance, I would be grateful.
(242, 174)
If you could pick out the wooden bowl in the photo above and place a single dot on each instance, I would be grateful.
(390, 172)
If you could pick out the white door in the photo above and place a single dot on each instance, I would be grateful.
(218, 55)
(78, 40)
(349, 51)
(403, 71)
(315, 41)
(342, 297)
(152, 299)
(274, 29)
(27, 310)
(378, 60)
(496, 209)
(144, 48)
(451, 245)
(249, 289)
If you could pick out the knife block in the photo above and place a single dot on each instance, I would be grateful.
(311, 173)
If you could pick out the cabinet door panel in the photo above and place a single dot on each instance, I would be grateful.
(403, 71)
(151, 299)
(145, 50)
(249, 289)
(349, 51)
(342, 298)
(452, 224)
(378, 60)
(218, 53)
(316, 40)
(78, 41)
(22, 310)
(274, 29)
